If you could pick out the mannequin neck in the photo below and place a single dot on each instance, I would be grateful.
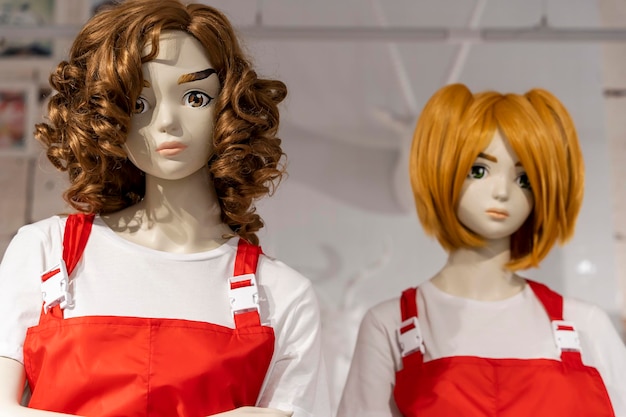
(480, 273)
(182, 216)
(188, 199)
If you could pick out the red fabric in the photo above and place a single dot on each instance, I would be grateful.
(470, 386)
(247, 260)
(241, 284)
(50, 274)
(77, 231)
(101, 366)
(408, 307)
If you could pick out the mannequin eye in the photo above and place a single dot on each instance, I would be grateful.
(196, 99)
(477, 172)
(141, 106)
(523, 181)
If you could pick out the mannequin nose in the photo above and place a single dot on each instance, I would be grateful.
(500, 189)
(165, 119)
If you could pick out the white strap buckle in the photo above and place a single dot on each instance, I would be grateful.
(410, 337)
(56, 289)
(566, 336)
(244, 298)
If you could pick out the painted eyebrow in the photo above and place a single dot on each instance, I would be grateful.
(195, 76)
(487, 157)
(494, 159)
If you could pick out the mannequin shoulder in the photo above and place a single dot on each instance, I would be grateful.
(602, 347)
(46, 233)
(601, 342)
(49, 226)
(382, 318)
(280, 278)
(588, 317)
(387, 315)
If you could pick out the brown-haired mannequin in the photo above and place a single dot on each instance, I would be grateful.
(168, 137)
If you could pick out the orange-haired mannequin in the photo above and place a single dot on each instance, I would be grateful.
(497, 179)
(156, 299)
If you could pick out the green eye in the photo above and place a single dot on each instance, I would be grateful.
(523, 181)
(477, 172)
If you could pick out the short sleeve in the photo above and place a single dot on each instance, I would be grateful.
(369, 387)
(20, 288)
(604, 350)
(296, 380)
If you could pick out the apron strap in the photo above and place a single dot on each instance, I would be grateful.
(409, 333)
(408, 303)
(75, 236)
(243, 292)
(77, 231)
(565, 334)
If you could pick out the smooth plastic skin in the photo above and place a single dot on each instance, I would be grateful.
(496, 197)
(495, 201)
(12, 377)
(168, 141)
(172, 127)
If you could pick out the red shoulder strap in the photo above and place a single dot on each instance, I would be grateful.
(553, 304)
(77, 231)
(408, 303)
(75, 236)
(409, 334)
(247, 258)
(552, 301)
(246, 263)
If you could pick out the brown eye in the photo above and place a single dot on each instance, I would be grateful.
(141, 106)
(196, 99)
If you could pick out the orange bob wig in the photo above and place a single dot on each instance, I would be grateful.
(456, 125)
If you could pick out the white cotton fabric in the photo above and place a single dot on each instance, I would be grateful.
(120, 278)
(517, 327)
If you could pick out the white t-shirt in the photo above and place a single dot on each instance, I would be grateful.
(116, 277)
(517, 327)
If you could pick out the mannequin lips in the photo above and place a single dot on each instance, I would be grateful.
(498, 214)
(171, 148)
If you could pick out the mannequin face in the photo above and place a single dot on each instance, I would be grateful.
(171, 129)
(496, 197)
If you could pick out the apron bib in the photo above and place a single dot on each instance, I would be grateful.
(471, 386)
(109, 366)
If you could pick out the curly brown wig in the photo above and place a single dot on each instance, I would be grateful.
(89, 116)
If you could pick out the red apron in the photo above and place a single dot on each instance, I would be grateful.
(471, 386)
(101, 366)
